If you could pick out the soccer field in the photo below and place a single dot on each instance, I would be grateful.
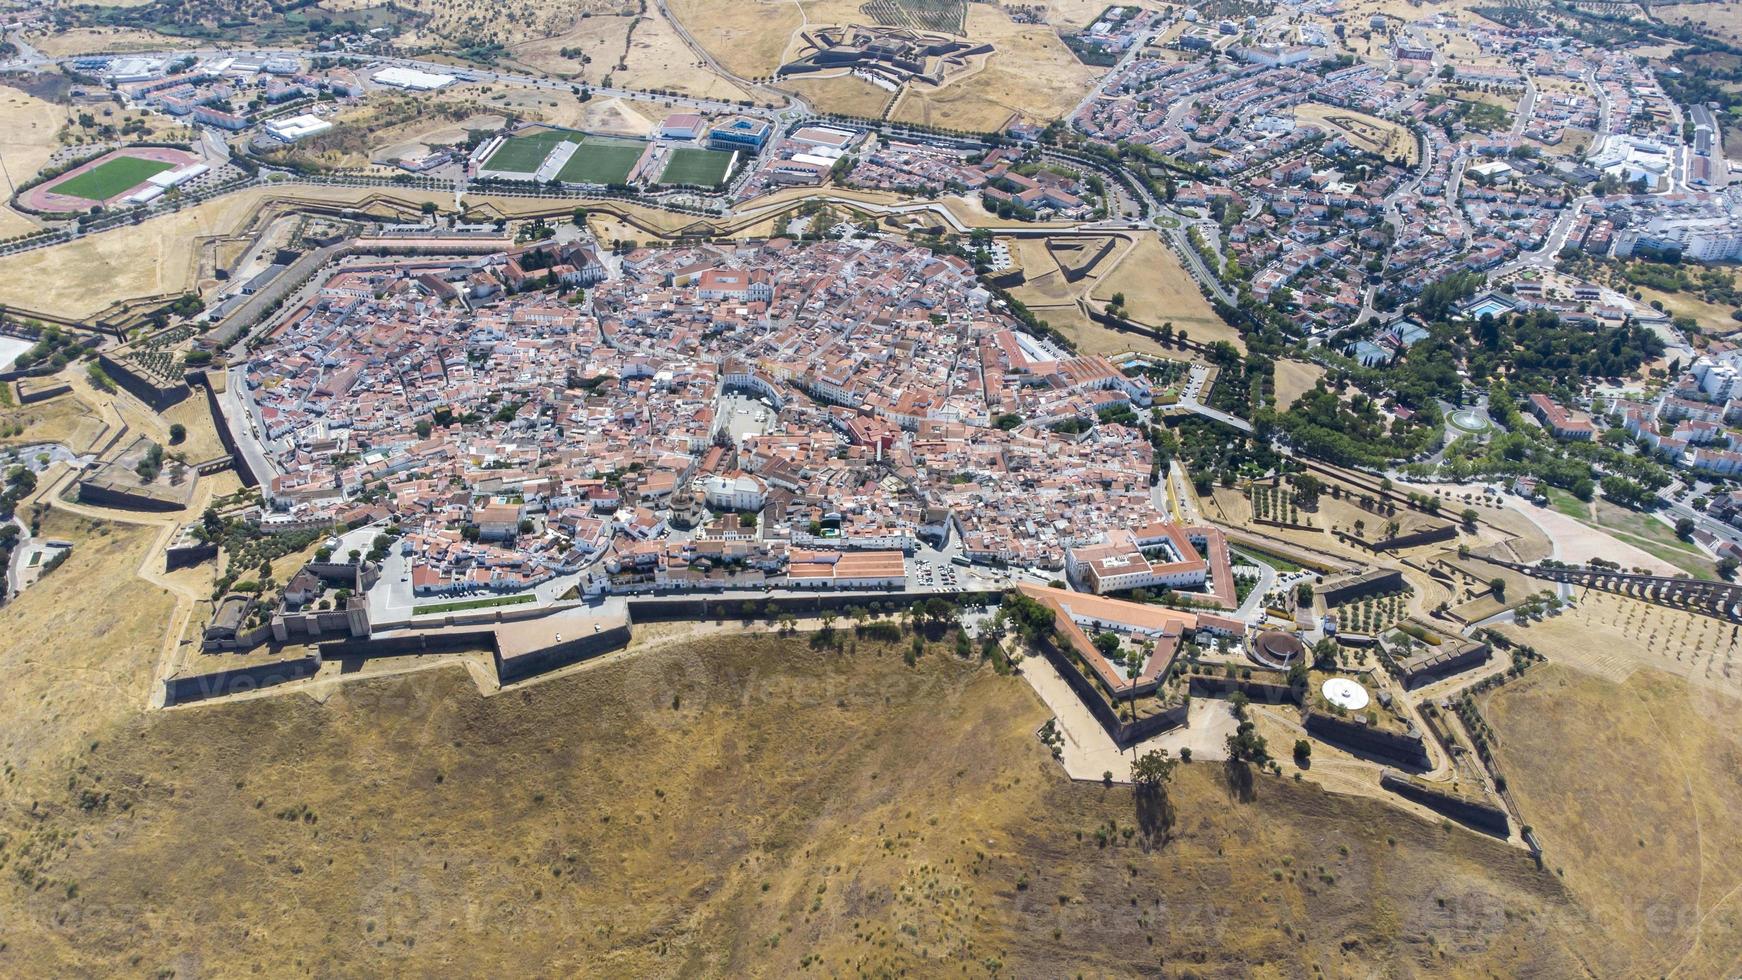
(703, 168)
(602, 160)
(523, 154)
(110, 178)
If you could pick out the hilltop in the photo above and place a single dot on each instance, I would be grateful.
(748, 807)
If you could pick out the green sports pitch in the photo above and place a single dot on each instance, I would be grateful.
(702, 168)
(601, 160)
(110, 178)
(523, 154)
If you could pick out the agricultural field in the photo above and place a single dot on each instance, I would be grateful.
(111, 177)
(1616, 636)
(940, 16)
(602, 160)
(641, 786)
(703, 168)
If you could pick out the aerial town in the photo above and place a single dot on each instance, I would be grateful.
(891, 488)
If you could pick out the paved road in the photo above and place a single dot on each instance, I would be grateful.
(1526, 106)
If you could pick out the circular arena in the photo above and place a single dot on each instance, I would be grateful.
(134, 174)
(1277, 650)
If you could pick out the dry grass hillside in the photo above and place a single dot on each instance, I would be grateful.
(78, 654)
(1634, 788)
(747, 807)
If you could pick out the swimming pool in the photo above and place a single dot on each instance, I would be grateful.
(1491, 306)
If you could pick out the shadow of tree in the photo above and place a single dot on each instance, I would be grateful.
(1155, 814)
(1241, 782)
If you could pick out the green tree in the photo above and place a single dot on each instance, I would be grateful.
(1247, 746)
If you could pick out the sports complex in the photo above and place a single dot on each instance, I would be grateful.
(572, 157)
(134, 174)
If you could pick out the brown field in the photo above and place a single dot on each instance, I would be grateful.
(456, 22)
(1505, 100)
(81, 647)
(1712, 318)
(393, 121)
(746, 36)
(1632, 788)
(619, 117)
(1159, 290)
(1370, 133)
(417, 139)
(1573, 142)
(28, 136)
(66, 419)
(1615, 636)
(1294, 379)
(83, 277)
(638, 52)
(595, 45)
(750, 807)
(202, 440)
(80, 40)
(1721, 20)
(658, 59)
(1081, 13)
(846, 94)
